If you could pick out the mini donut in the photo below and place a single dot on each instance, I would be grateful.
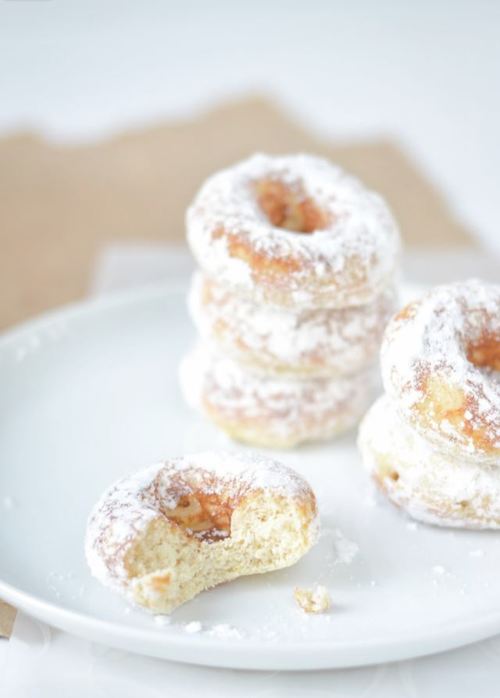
(429, 484)
(292, 231)
(172, 530)
(269, 411)
(441, 363)
(308, 342)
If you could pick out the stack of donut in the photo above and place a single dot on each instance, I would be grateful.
(432, 442)
(297, 280)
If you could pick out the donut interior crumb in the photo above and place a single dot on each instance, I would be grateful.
(168, 566)
(314, 600)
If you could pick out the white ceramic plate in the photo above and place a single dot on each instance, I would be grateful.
(89, 394)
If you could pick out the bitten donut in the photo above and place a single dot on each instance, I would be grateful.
(293, 231)
(430, 484)
(310, 342)
(269, 411)
(441, 363)
(165, 534)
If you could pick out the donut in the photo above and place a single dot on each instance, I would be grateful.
(293, 231)
(165, 534)
(441, 366)
(431, 485)
(269, 411)
(309, 342)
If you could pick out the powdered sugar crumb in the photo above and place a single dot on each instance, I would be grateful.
(65, 585)
(224, 631)
(346, 549)
(343, 550)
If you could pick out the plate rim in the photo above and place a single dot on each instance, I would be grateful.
(315, 655)
(85, 306)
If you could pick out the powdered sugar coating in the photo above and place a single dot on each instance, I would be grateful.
(429, 484)
(269, 410)
(426, 359)
(312, 342)
(346, 262)
(127, 507)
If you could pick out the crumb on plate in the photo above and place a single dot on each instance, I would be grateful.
(315, 600)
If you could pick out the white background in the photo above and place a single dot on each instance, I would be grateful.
(427, 73)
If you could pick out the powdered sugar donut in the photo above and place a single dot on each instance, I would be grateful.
(429, 483)
(292, 231)
(441, 363)
(314, 342)
(268, 411)
(165, 534)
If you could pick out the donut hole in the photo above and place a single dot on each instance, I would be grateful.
(485, 352)
(205, 516)
(288, 207)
